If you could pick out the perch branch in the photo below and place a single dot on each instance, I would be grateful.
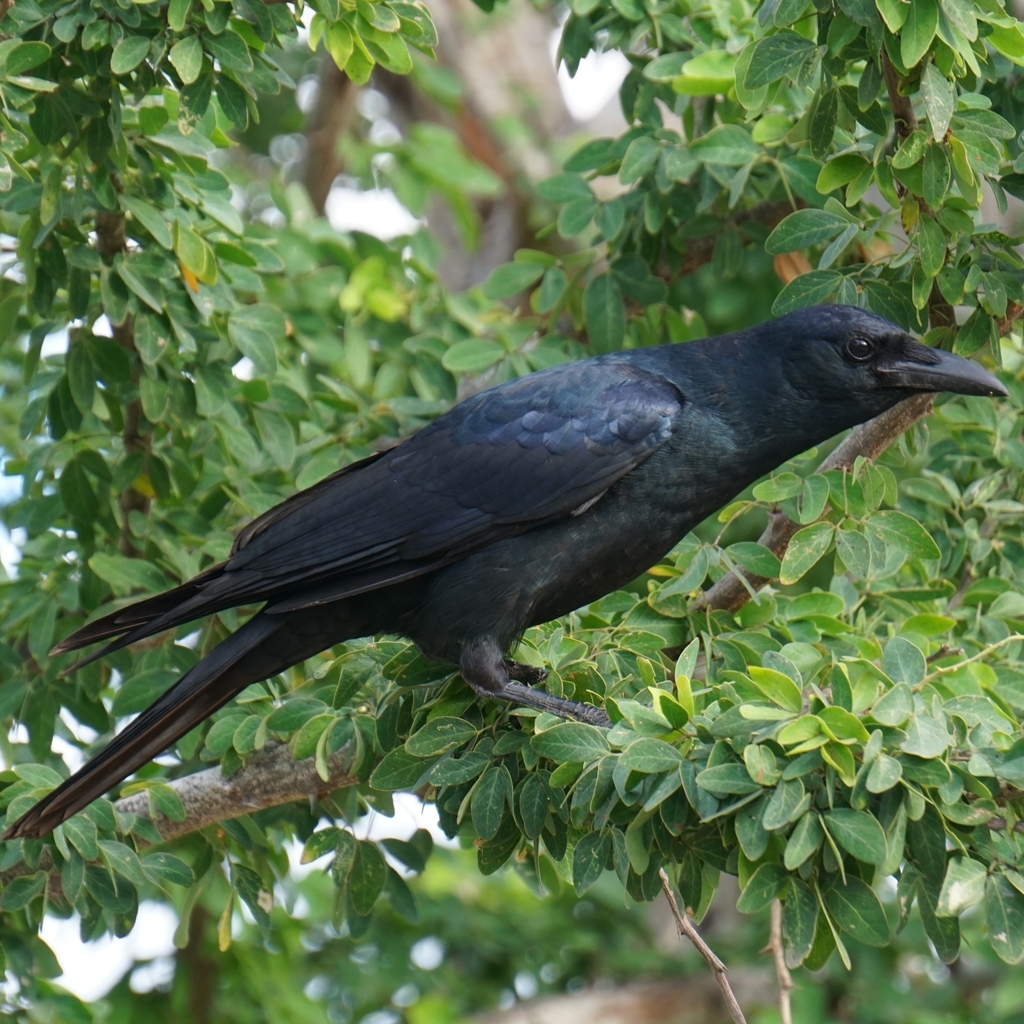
(685, 927)
(269, 779)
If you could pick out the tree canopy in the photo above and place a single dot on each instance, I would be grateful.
(828, 710)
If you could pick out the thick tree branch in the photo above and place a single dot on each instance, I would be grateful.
(867, 441)
(270, 778)
(335, 105)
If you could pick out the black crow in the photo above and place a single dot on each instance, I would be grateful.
(517, 506)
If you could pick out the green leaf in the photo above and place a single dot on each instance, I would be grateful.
(802, 229)
(123, 860)
(918, 31)
(141, 689)
(806, 290)
(807, 546)
(438, 736)
(253, 330)
(24, 56)
(589, 859)
(451, 771)
(165, 869)
(533, 804)
(962, 888)
(81, 377)
(824, 115)
(492, 794)
(605, 313)
(840, 171)
(727, 780)
(903, 661)
(939, 95)
(894, 13)
(127, 574)
(474, 355)
(857, 911)
(82, 834)
(512, 278)
(649, 755)
(230, 51)
(76, 493)
(784, 805)
(944, 932)
(805, 838)
(778, 688)
(799, 917)
(150, 218)
(884, 773)
(858, 833)
(640, 158)
(566, 187)
(931, 240)
(19, 892)
(366, 877)
(187, 57)
(1004, 914)
(727, 144)
(777, 55)
(925, 737)
(707, 74)
(129, 54)
(398, 770)
(755, 558)
(571, 742)
(894, 707)
(767, 882)
(903, 533)
(1009, 41)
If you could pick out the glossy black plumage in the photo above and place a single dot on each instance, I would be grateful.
(518, 505)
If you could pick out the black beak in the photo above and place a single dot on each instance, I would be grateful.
(919, 368)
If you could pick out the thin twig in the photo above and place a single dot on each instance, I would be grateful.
(943, 652)
(783, 978)
(685, 927)
(944, 670)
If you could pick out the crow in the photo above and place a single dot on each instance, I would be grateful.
(517, 506)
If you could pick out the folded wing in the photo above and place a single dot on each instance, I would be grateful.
(508, 459)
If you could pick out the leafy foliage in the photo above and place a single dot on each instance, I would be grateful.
(858, 720)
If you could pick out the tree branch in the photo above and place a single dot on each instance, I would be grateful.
(270, 778)
(902, 109)
(867, 441)
(782, 975)
(686, 927)
(110, 242)
(330, 118)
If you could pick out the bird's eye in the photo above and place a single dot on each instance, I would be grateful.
(859, 349)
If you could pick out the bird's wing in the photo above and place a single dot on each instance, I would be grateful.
(521, 454)
(532, 450)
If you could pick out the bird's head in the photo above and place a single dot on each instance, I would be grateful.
(846, 355)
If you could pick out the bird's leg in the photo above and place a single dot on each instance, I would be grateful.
(525, 673)
(485, 669)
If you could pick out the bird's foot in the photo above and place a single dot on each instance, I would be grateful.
(487, 671)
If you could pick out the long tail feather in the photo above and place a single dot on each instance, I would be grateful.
(225, 672)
